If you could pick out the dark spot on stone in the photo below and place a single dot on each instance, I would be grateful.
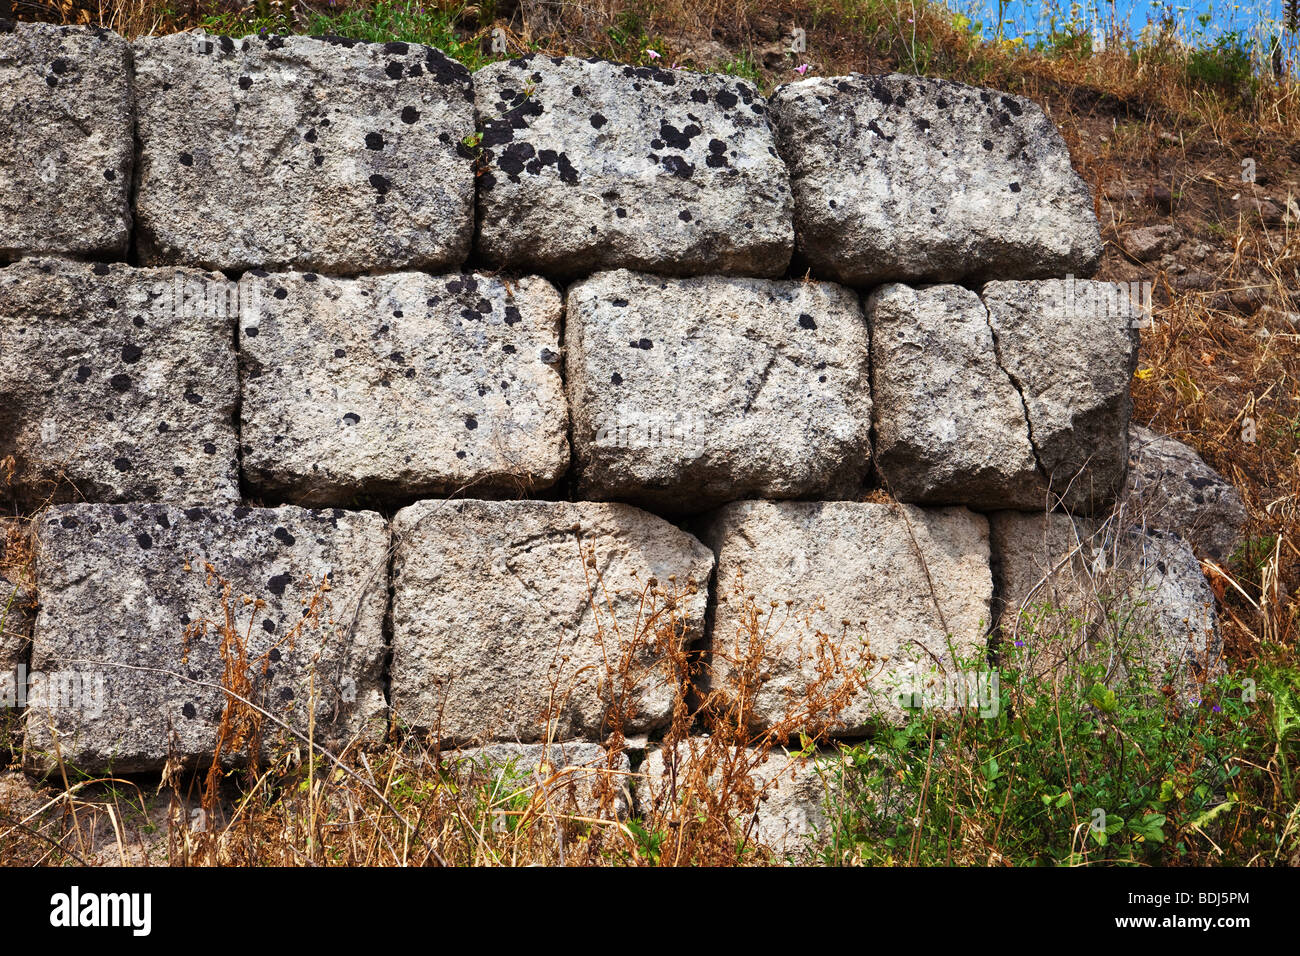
(189, 711)
(1014, 187)
(726, 99)
(83, 373)
(678, 166)
(352, 418)
(120, 382)
(512, 315)
(110, 175)
(806, 321)
(394, 70)
(278, 583)
(374, 141)
(268, 625)
(187, 159)
(283, 536)
(616, 379)
(310, 136)
(209, 448)
(699, 96)
(987, 144)
(245, 82)
(379, 183)
(619, 303)
(598, 120)
(122, 464)
(396, 48)
(410, 114)
(143, 540)
(194, 398)
(620, 212)
(471, 422)
(684, 215)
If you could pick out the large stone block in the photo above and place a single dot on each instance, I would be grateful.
(1071, 357)
(950, 425)
(401, 385)
(532, 620)
(316, 153)
(1079, 591)
(1171, 487)
(890, 600)
(135, 637)
(66, 143)
(686, 393)
(117, 384)
(909, 178)
(593, 165)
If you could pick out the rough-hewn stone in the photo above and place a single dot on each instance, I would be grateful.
(325, 154)
(593, 165)
(66, 147)
(907, 178)
(572, 777)
(1071, 357)
(130, 614)
(401, 385)
(950, 425)
(686, 393)
(509, 615)
(117, 384)
(1078, 590)
(894, 592)
(1171, 487)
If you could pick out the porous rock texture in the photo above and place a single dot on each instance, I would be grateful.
(126, 599)
(560, 778)
(950, 425)
(317, 153)
(117, 384)
(593, 165)
(900, 178)
(527, 620)
(17, 604)
(1172, 488)
(1072, 365)
(895, 592)
(1073, 591)
(686, 393)
(66, 147)
(401, 385)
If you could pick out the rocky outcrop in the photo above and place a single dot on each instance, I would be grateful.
(532, 620)
(687, 393)
(117, 384)
(66, 142)
(326, 154)
(904, 178)
(592, 165)
(150, 613)
(1170, 487)
(401, 385)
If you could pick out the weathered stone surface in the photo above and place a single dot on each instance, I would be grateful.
(1172, 488)
(905, 178)
(514, 618)
(331, 155)
(1151, 242)
(1071, 357)
(686, 393)
(66, 148)
(786, 812)
(1074, 591)
(950, 425)
(401, 385)
(562, 778)
(593, 165)
(126, 600)
(117, 384)
(17, 603)
(893, 591)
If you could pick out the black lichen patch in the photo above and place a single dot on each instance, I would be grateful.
(380, 184)
(278, 583)
(122, 464)
(410, 114)
(374, 141)
(121, 382)
(678, 166)
(143, 540)
(352, 418)
(471, 422)
(598, 120)
(806, 321)
(245, 82)
(616, 379)
(284, 537)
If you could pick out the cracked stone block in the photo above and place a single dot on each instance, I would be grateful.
(315, 153)
(1173, 489)
(686, 393)
(17, 604)
(1070, 347)
(401, 385)
(133, 647)
(904, 178)
(897, 593)
(560, 779)
(592, 165)
(950, 425)
(531, 620)
(66, 146)
(118, 384)
(1074, 591)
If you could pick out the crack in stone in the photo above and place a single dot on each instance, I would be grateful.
(1020, 391)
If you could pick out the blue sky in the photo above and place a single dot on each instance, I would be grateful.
(1026, 14)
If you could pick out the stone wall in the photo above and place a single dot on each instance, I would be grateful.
(464, 400)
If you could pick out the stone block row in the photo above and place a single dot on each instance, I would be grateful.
(339, 156)
(676, 394)
(521, 622)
